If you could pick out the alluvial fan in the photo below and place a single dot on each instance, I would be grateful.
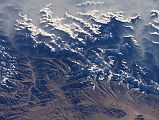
(92, 66)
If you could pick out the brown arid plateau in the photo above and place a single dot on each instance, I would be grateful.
(122, 104)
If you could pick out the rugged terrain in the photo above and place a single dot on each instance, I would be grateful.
(91, 67)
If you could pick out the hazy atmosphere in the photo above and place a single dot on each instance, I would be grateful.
(79, 60)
